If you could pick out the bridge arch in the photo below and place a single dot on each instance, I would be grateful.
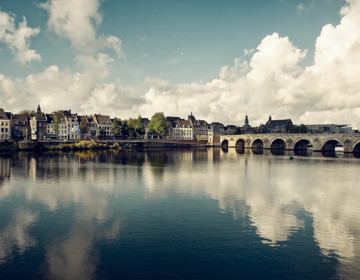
(329, 145)
(278, 143)
(257, 143)
(302, 144)
(356, 148)
(225, 144)
(240, 145)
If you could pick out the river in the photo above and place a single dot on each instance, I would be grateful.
(179, 214)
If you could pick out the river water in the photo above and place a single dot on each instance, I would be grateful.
(179, 214)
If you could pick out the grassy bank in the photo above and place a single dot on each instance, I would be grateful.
(84, 145)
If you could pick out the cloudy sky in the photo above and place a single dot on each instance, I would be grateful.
(219, 59)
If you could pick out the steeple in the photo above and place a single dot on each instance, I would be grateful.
(269, 121)
(246, 120)
(38, 111)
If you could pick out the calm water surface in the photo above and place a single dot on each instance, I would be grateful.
(182, 214)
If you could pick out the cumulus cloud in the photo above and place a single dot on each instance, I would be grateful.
(77, 21)
(273, 82)
(17, 38)
(269, 80)
(83, 92)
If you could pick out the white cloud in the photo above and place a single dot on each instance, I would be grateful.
(274, 83)
(17, 39)
(270, 82)
(74, 20)
(300, 7)
(304, 8)
(114, 43)
(77, 21)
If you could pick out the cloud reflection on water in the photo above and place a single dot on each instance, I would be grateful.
(274, 191)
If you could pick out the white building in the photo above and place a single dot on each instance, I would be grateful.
(103, 124)
(5, 125)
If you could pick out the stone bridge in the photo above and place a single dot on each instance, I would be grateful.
(290, 141)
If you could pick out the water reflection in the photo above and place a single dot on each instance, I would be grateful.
(277, 152)
(15, 236)
(278, 197)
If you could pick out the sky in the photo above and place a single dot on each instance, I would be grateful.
(219, 60)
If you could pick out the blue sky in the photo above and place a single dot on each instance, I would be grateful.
(129, 57)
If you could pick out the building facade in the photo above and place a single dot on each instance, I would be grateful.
(5, 125)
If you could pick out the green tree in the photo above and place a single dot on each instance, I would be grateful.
(28, 113)
(136, 127)
(158, 124)
(84, 125)
(57, 119)
(115, 128)
(139, 126)
(124, 128)
(131, 123)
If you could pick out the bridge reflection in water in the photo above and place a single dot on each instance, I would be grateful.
(300, 144)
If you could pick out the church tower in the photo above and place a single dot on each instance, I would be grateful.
(38, 111)
(246, 121)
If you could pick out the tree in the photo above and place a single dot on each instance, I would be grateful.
(139, 126)
(124, 129)
(116, 127)
(57, 119)
(28, 113)
(131, 127)
(158, 124)
(84, 125)
(136, 126)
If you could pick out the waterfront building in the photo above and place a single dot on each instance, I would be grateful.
(20, 126)
(72, 125)
(38, 125)
(189, 129)
(5, 125)
(103, 124)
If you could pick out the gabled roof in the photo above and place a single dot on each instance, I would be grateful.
(273, 124)
(100, 119)
(183, 123)
(3, 115)
(172, 120)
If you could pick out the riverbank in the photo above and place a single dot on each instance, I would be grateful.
(99, 145)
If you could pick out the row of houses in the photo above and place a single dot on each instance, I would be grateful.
(65, 125)
(192, 129)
